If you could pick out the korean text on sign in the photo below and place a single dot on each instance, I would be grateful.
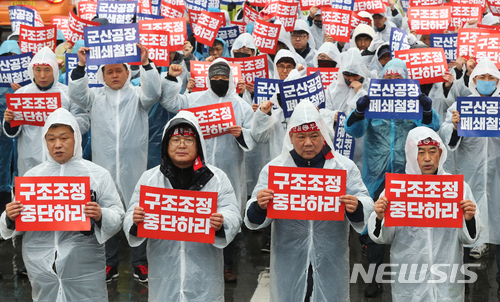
(21, 15)
(488, 47)
(252, 67)
(117, 12)
(207, 27)
(265, 36)
(479, 117)
(307, 4)
(229, 34)
(427, 65)
(343, 4)
(177, 214)
(32, 39)
(494, 6)
(171, 11)
(307, 88)
(357, 20)
(371, 6)
(76, 26)
(112, 44)
(264, 90)
(91, 70)
(344, 143)
(399, 40)
(175, 27)
(87, 9)
(394, 99)
(14, 69)
(156, 41)
(306, 193)
(287, 14)
(466, 40)
(461, 13)
(62, 23)
(199, 72)
(337, 23)
(429, 19)
(249, 14)
(424, 200)
(448, 42)
(200, 5)
(53, 203)
(328, 75)
(415, 3)
(32, 108)
(215, 119)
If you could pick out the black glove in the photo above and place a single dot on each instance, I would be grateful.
(426, 102)
(362, 104)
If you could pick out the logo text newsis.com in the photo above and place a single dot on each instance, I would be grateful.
(416, 273)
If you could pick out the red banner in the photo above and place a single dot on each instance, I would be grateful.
(259, 3)
(424, 200)
(287, 14)
(466, 2)
(265, 36)
(249, 14)
(156, 41)
(87, 10)
(241, 25)
(62, 24)
(144, 7)
(307, 4)
(461, 13)
(32, 39)
(429, 19)
(494, 6)
(306, 193)
(328, 75)
(199, 72)
(207, 27)
(214, 119)
(53, 203)
(76, 25)
(490, 28)
(357, 20)
(416, 3)
(427, 65)
(175, 27)
(488, 47)
(171, 11)
(179, 215)
(466, 40)
(175, 2)
(337, 23)
(371, 6)
(194, 15)
(252, 67)
(32, 108)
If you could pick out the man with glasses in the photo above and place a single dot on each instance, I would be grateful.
(304, 46)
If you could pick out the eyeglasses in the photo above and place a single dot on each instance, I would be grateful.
(283, 67)
(299, 36)
(177, 141)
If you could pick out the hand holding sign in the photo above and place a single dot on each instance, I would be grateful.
(8, 115)
(455, 119)
(82, 59)
(469, 209)
(93, 210)
(144, 54)
(350, 201)
(264, 197)
(381, 207)
(216, 221)
(13, 209)
(138, 215)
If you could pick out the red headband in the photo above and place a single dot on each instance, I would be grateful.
(391, 72)
(181, 131)
(41, 64)
(428, 142)
(307, 127)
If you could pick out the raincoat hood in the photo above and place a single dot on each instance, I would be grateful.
(232, 87)
(352, 62)
(225, 50)
(77, 46)
(245, 40)
(10, 46)
(411, 149)
(100, 77)
(62, 116)
(396, 65)
(331, 50)
(60, 36)
(45, 56)
(483, 67)
(302, 25)
(490, 19)
(283, 54)
(362, 29)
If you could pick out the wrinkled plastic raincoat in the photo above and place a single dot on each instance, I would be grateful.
(69, 266)
(383, 147)
(324, 244)
(187, 271)
(302, 25)
(331, 50)
(317, 32)
(28, 143)
(224, 151)
(425, 246)
(119, 125)
(478, 159)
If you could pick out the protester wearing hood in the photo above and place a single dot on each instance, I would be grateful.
(478, 159)
(244, 47)
(119, 117)
(284, 63)
(381, 57)
(217, 50)
(66, 265)
(43, 71)
(362, 37)
(383, 26)
(183, 270)
(424, 247)
(317, 249)
(284, 42)
(316, 23)
(327, 56)
(303, 42)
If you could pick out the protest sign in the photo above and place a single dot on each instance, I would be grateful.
(493, 5)
(32, 39)
(371, 6)
(479, 117)
(241, 25)
(200, 5)
(337, 23)
(343, 4)
(207, 27)
(287, 14)
(265, 36)
(229, 34)
(21, 15)
(144, 7)
(399, 40)
(429, 19)
(171, 11)
(91, 70)
(214, 119)
(264, 90)
(76, 25)
(328, 75)
(14, 69)
(141, 17)
(199, 72)
(249, 14)
(466, 40)
(427, 65)
(307, 4)
(62, 23)
(344, 143)
(117, 12)
(415, 3)
(252, 67)
(156, 41)
(32, 108)
(307, 88)
(461, 13)
(448, 42)
(394, 99)
(357, 20)
(488, 47)
(175, 27)
(156, 7)
(87, 10)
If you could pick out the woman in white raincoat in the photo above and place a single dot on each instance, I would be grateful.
(28, 146)
(299, 244)
(478, 159)
(179, 270)
(70, 266)
(423, 247)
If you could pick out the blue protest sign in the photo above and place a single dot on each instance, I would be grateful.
(156, 7)
(229, 34)
(264, 89)
(14, 69)
(448, 42)
(405, 4)
(117, 12)
(343, 4)
(399, 40)
(199, 5)
(112, 44)
(21, 15)
(479, 116)
(307, 88)
(141, 17)
(72, 60)
(344, 143)
(394, 99)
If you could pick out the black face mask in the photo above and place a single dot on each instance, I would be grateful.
(327, 63)
(219, 87)
(348, 83)
(318, 23)
(241, 54)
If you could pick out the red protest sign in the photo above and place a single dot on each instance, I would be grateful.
(490, 28)
(307, 4)
(194, 15)
(174, 2)
(32, 39)
(249, 14)
(306, 193)
(259, 3)
(427, 65)
(207, 27)
(466, 2)
(265, 36)
(171, 11)
(371, 6)
(32, 108)
(252, 67)
(494, 6)
(156, 41)
(62, 24)
(180, 215)
(328, 75)
(466, 40)
(199, 72)
(461, 13)
(76, 25)
(144, 7)
(488, 47)
(87, 9)
(357, 20)
(176, 29)
(337, 23)
(241, 25)
(416, 3)
(429, 19)
(53, 203)
(424, 200)
(222, 16)
(287, 14)
(214, 119)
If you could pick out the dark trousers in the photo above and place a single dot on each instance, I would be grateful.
(139, 255)
(374, 252)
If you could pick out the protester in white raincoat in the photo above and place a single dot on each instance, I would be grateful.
(178, 270)
(28, 146)
(70, 266)
(321, 246)
(308, 53)
(478, 158)
(317, 29)
(332, 51)
(422, 246)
